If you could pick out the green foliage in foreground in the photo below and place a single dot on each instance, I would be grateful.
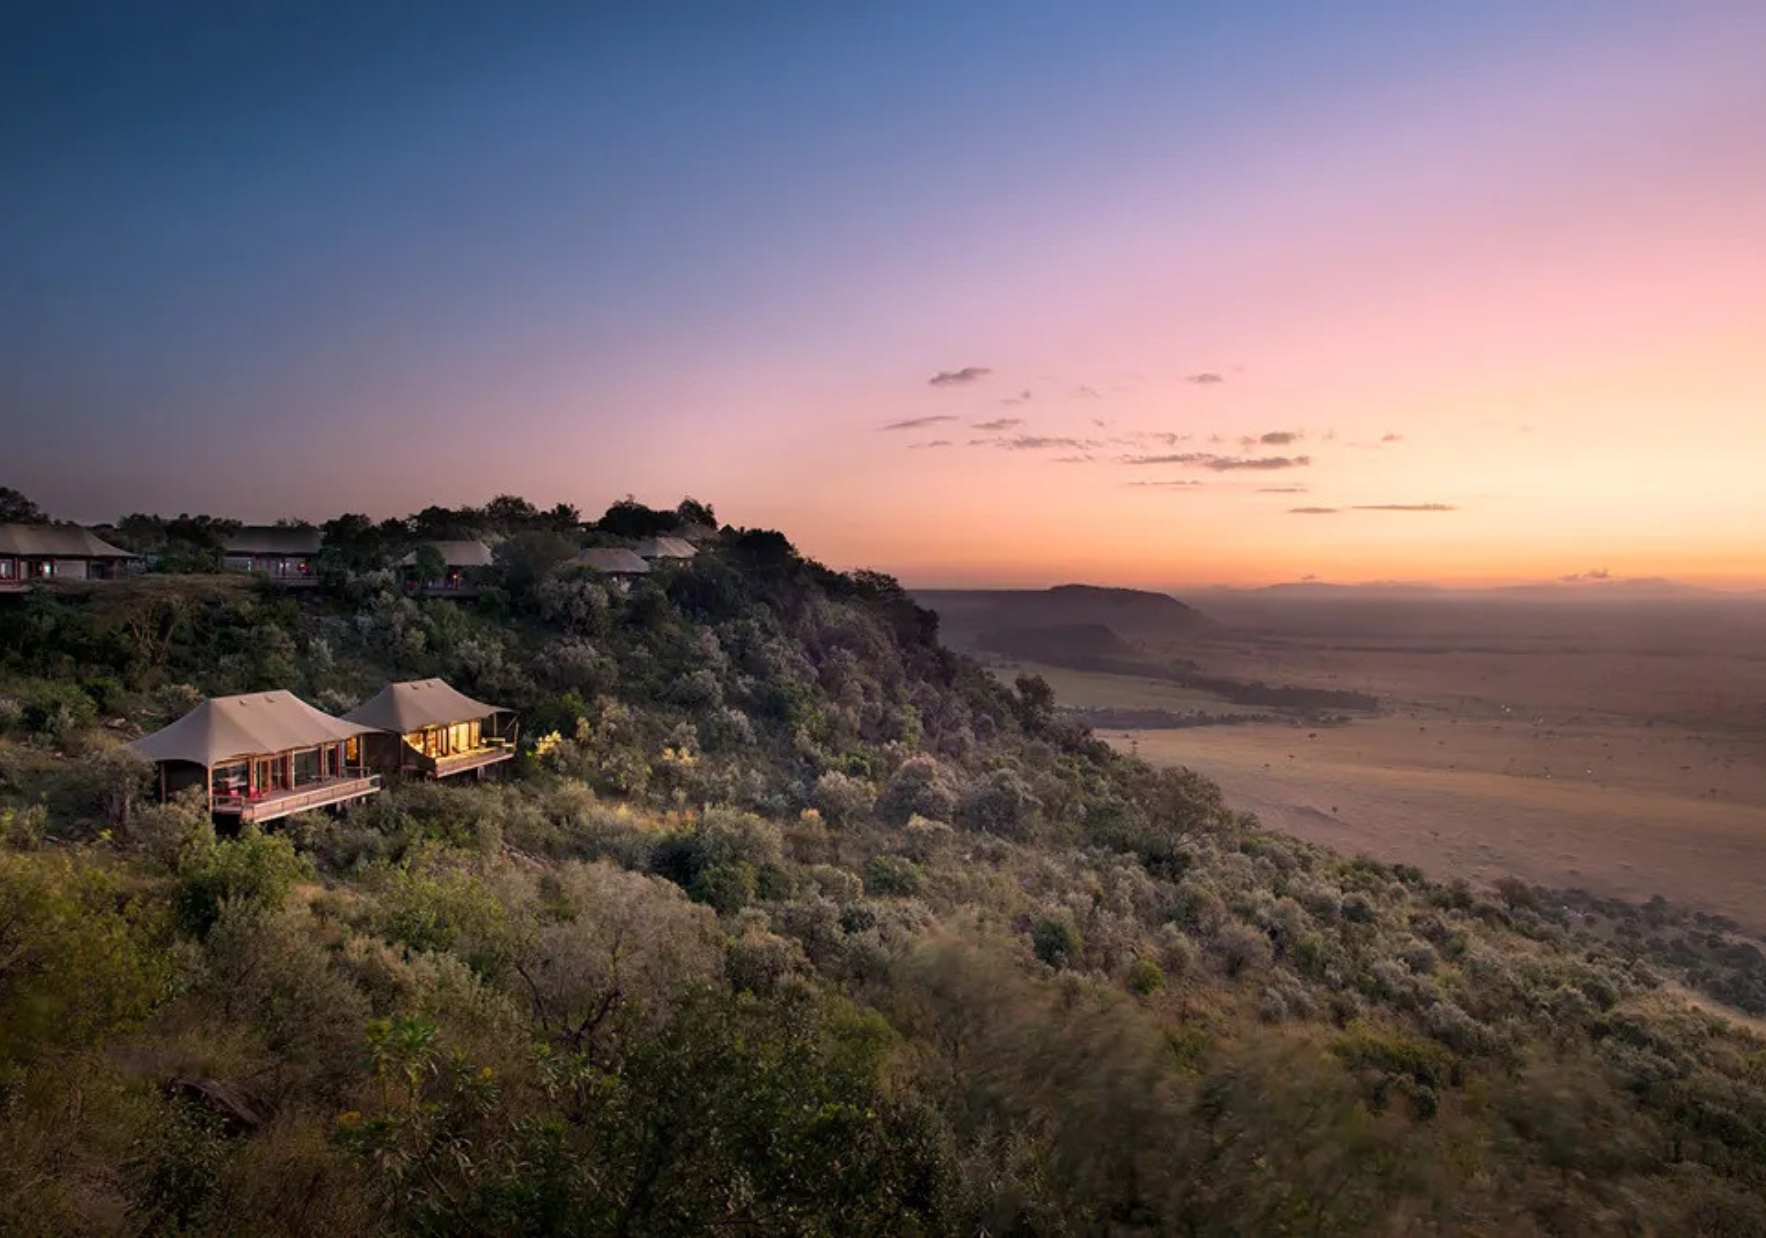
(790, 922)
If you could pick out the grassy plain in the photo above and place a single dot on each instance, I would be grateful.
(1619, 753)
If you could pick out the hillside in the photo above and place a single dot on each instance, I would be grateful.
(1131, 613)
(788, 919)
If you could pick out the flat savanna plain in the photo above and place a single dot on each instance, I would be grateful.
(1615, 747)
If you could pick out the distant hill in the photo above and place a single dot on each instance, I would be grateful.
(1087, 646)
(965, 614)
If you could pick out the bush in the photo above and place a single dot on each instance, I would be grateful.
(1057, 941)
(77, 961)
(842, 799)
(918, 787)
(892, 875)
(1242, 948)
(254, 869)
(1000, 803)
(1145, 976)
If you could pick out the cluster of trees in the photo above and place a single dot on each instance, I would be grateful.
(354, 543)
(790, 921)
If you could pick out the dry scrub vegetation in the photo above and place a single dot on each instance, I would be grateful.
(792, 922)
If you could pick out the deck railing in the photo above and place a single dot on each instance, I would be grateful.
(269, 805)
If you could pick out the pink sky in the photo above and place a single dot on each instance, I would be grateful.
(1524, 281)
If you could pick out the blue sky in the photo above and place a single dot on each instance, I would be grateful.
(281, 259)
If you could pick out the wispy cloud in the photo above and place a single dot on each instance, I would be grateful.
(998, 424)
(1023, 397)
(1086, 393)
(1167, 485)
(1312, 511)
(917, 423)
(1280, 438)
(957, 378)
(1072, 460)
(1597, 574)
(1391, 438)
(1182, 457)
(1405, 507)
(1281, 490)
(1040, 442)
(937, 442)
(1223, 464)
(1207, 378)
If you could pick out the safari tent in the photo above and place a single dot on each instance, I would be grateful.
(32, 553)
(425, 727)
(261, 756)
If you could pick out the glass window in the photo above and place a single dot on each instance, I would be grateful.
(229, 781)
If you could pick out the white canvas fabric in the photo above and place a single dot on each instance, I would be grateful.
(228, 728)
(613, 560)
(404, 707)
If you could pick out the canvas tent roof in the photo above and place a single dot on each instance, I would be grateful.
(614, 560)
(270, 539)
(225, 728)
(57, 541)
(456, 554)
(417, 703)
(666, 548)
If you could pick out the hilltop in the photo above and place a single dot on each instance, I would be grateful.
(788, 918)
(1130, 613)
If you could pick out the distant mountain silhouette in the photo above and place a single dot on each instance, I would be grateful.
(1125, 613)
(1090, 646)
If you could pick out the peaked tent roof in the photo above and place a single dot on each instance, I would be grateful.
(404, 707)
(63, 541)
(469, 553)
(275, 539)
(666, 548)
(224, 728)
(614, 560)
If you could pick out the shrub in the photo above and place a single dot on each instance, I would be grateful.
(918, 787)
(255, 869)
(78, 961)
(1000, 803)
(1145, 976)
(842, 799)
(1242, 947)
(55, 712)
(1057, 941)
(892, 875)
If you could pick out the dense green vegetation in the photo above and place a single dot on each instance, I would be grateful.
(789, 921)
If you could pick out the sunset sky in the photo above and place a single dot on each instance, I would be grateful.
(1009, 293)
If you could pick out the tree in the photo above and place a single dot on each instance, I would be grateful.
(431, 563)
(605, 948)
(354, 543)
(692, 512)
(630, 518)
(15, 508)
(511, 513)
(528, 558)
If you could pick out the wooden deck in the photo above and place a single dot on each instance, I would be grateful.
(278, 804)
(461, 762)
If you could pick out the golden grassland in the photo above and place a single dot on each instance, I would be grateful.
(1628, 768)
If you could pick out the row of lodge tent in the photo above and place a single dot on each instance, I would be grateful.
(32, 553)
(289, 555)
(266, 755)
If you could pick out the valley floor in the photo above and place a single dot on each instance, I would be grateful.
(1616, 832)
(1627, 761)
